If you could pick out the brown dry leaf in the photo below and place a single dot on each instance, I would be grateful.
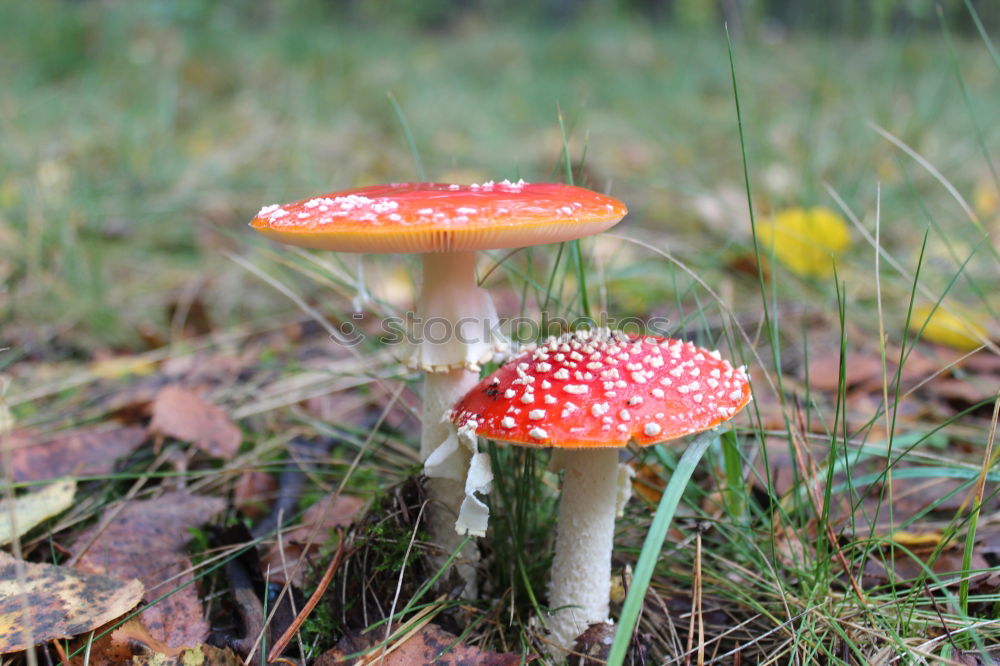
(131, 643)
(964, 392)
(905, 568)
(911, 496)
(84, 451)
(648, 482)
(146, 540)
(200, 655)
(206, 369)
(992, 658)
(427, 647)
(186, 416)
(595, 643)
(791, 550)
(317, 524)
(254, 492)
(859, 368)
(123, 643)
(47, 601)
(338, 406)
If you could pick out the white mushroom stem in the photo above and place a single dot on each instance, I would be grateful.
(446, 473)
(455, 323)
(456, 320)
(580, 584)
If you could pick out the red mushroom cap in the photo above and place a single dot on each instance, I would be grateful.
(438, 217)
(603, 389)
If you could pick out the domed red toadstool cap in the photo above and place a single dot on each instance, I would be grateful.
(440, 217)
(603, 389)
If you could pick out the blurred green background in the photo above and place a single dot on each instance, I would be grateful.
(139, 137)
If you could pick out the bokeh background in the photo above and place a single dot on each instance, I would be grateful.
(139, 137)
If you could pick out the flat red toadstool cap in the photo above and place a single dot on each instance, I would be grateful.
(603, 389)
(440, 217)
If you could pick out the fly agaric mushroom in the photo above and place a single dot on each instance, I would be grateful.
(588, 394)
(446, 224)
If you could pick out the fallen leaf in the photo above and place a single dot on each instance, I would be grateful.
(122, 644)
(253, 492)
(916, 539)
(986, 198)
(146, 540)
(131, 643)
(117, 367)
(186, 416)
(648, 482)
(859, 368)
(206, 369)
(907, 569)
(426, 647)
(806, 240)
(200, 655)
(40, 602)
(31, 509)
(81, 452)
(315, 529)
(964, 392)
(595, 643)
(976, 658)
(958, 327)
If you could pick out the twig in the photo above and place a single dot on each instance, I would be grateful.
(280, 645)
(937, 609)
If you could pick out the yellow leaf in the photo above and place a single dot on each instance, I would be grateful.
(39, 602)
(959, 328)
(916, 539)
(122, 366)
(31, 509)
(806, 240)
(986, 199)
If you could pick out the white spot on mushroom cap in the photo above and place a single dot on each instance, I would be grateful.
(538, 433)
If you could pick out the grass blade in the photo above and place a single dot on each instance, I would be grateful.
(421, 174)
(654, 542)
(982, 33)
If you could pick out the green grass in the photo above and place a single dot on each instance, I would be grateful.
(140, 138)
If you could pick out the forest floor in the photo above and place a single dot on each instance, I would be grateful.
(173, 410)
